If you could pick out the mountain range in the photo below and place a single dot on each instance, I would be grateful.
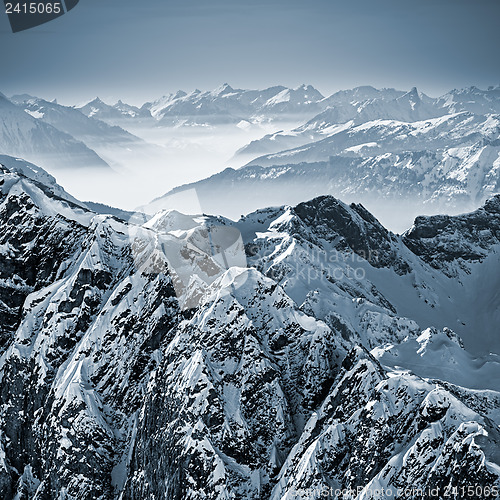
(419, 154)
(25, 135)
(336, 356)
(414, 152)
(221, 105)
(120, 111)
(233, 105)
(93, 132)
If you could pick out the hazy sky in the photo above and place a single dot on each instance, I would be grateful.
(138, 50)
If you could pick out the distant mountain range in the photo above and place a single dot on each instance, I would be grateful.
(415, 152)
(26, 135)
(371, 145)
(63, 138)
(94, 133)
(232, 105)
(221, 105)
(365, 104)
(102, 111)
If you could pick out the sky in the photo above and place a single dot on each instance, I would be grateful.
(137, 51)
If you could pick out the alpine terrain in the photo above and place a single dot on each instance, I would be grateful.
(416, 153)
(302, 351)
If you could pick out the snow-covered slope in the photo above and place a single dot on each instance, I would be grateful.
(91, 131)
(346, 108)
(303, 98)
(448, 163)
(117, 113)
(410, 107)
(37, 175)
(265, 387)
(472, 99)
(24, 135)
(391, 435)
(40, 228)
(225, 104)
(359, 95)
(392, 136)
(120, 149)
(439, 354)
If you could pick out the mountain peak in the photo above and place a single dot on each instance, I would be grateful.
(19, 98)
(223, 89)
(38, 176)
(412, 94)
(412, 97)
(365, 88)
(96, 101)
(305, 87)
(309, 91)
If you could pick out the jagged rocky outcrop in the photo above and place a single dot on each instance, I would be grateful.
(36, 244)
(304, 370)
(442, 239)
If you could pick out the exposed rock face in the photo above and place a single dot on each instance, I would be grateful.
(303, 372)
(35, 246)
(442, 239)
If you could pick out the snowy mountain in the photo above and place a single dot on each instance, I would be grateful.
(445, 162)
(227, 105)
(93, 132)
(25, 135)
(346, 109)
(472, 99)
(391, 136)
(304, 97)
(392, 179)
(410, 107)
(156, 107)
(118, 147)
(117, 113)
(310, 368)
